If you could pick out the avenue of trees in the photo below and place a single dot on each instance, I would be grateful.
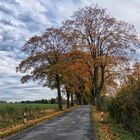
(83, 58)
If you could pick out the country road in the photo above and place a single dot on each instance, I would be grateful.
(75, 125)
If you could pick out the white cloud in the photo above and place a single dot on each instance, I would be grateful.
(8, 64)
(126, 10)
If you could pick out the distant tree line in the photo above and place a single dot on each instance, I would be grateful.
(3, 102)
(45, 101)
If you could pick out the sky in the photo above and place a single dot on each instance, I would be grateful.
(21, 19)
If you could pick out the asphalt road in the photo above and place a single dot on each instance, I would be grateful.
(75, 125)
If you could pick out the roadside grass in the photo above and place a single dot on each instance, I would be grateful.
(17, 127)
(33, 122)
(12, 113)
(108, 129)
(95, 124)
(118, 128)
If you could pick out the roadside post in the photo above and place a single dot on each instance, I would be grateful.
(25, 117)
(102, 116)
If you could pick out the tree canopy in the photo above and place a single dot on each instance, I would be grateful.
(83, 55)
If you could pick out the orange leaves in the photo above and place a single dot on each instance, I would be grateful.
(76, 71)
(136, 72)
(45, 55)
(34, 39)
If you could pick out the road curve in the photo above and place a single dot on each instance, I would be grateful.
(75, 125)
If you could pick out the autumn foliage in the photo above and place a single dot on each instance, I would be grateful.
(82, 57)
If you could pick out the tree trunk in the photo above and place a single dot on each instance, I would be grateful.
(82, 99)
(95, 83)
(59, 92)
(72, 103)
(98, 99)
(99, 89)
(78, 98)
(68, 98)
(92, 100)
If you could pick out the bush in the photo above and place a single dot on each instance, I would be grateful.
(125, 107)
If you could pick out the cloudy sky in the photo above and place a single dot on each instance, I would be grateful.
(20, 19)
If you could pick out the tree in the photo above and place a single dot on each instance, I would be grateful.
(52, 101)
(75, 77)
(108, 41)
(44, 59)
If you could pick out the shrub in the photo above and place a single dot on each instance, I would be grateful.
(125, 107)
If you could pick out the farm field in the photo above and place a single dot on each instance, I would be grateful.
(12, 113)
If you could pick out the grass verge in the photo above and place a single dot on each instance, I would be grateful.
(94, 124)
(108, 129)
(12, 113)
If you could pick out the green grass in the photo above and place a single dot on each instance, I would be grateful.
(123, 134)
(22, 106)
(12, 113)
